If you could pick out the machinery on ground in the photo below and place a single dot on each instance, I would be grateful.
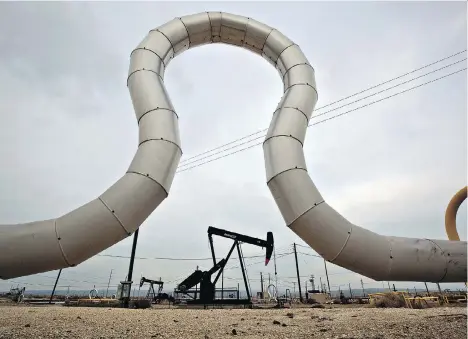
(205, 295)
(16, 294)
(152, 295)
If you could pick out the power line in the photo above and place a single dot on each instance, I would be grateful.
(184, 162)
(171, 258)
(324, 113)
(327, 119)
(392, 87)
(304, 246)
(259, 262)
(311, 255)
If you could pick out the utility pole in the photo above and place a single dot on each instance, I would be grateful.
(350, 291)
(55, 285)
(363, 291)
(298, 278)
(261, 283)
(328, 281)
(108, 283)
(321, 285)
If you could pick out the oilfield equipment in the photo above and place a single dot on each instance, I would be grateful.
(206, 295)
(74, 237)
(16, 294)
(152, 295)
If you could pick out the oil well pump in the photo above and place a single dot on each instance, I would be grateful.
(152, 295)
(206, 294)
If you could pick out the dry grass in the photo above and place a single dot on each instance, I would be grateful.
(389, 300)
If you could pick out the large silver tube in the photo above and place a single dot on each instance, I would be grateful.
(74, 237)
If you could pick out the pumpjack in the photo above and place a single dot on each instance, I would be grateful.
(207, 287)
(151, 294)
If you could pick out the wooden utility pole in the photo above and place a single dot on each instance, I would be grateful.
(298, 277)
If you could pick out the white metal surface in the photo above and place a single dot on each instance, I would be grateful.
(71, 239)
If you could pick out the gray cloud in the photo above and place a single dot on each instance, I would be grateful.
(68, 131)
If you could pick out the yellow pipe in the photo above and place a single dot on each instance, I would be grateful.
(451, 213)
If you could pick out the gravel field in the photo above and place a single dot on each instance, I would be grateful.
(76, 322)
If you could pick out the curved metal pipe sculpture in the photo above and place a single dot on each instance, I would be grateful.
(76, 236)
(451, 213)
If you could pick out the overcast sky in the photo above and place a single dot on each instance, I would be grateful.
(68, 130)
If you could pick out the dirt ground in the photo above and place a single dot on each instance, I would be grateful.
(76, 322)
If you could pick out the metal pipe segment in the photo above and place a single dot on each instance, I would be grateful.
(451, 213)
(76, 236)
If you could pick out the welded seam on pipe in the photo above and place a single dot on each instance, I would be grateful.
(445, 257)
(115, 216)
(161, 139)
(172, 46)
(295, 65)
(246, 26)
(64, 256)
(287, 170)
(150, 50)
(151, 178)
(344, 244)
(143, 69)
(297, 109)
(157, 109)
(188, 34)
(302, 84)
(283, 135)
(211, 26)
(301, 64)
(306, 211)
